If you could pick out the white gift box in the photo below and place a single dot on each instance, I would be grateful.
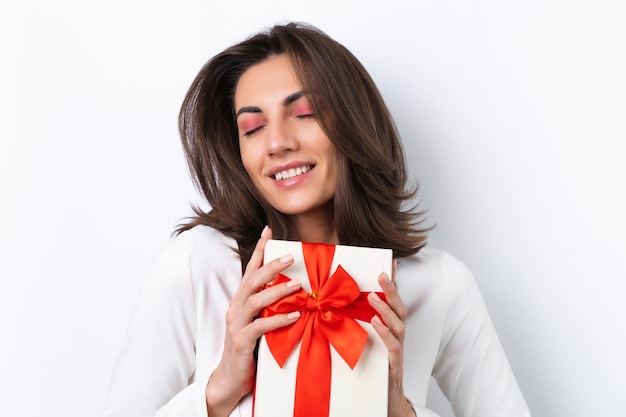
(361, 391)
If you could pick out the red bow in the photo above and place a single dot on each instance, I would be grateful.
(327, 318)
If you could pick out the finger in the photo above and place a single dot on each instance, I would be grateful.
(268, 272)
(256, 260)
(258, 301)
(393, 312)
(260, 326)
(243, 311)
(394, 347)
(391, 320)
(392, 295)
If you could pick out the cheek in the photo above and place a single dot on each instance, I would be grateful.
(335, 165)
(244, 155)
(250, 160)
(333, 157)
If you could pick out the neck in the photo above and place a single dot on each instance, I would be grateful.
(315, 227)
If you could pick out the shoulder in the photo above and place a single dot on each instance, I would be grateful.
(196, 253)
(433, 264)
(433, 274)
(200, 241)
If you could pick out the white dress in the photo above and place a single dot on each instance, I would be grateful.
(175, 338)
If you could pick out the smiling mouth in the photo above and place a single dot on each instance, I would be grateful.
(291, 173)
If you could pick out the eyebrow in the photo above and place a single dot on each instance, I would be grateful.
(287, 101)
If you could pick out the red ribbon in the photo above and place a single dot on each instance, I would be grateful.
(327, 318)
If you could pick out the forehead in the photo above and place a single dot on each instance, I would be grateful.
(267, 82)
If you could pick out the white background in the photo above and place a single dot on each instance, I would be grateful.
(513, 117)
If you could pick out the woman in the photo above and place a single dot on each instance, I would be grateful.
(287, 129)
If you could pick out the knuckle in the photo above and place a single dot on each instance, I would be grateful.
(231, 316)
(254, 303)
(273, 268)
(257, 326)
(398, 329)
(395, 347)
(401, 331)
(403, 313)
(250, 267)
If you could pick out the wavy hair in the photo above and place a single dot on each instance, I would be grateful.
(372, 203)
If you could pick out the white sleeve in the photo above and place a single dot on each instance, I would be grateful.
(424, 412)
(471, 368)
(157, 362)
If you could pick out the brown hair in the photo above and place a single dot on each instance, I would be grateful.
(370, 204)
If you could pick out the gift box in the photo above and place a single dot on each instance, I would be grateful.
(330, 362)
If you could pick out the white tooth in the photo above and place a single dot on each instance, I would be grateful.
(284, 175)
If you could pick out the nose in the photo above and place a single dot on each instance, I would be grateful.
(281, 139)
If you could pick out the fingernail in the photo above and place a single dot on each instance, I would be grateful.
(293, 315)
(294, 283)
(265, 230)
(286, 259)
(375, 297)
(386, 277)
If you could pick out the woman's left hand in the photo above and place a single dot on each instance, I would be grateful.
(394, 315)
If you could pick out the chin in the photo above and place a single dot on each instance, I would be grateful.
(302, 208)
(294, 210)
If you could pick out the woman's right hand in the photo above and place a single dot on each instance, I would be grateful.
(234, 376)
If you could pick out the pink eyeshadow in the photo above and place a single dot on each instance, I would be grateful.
(250, 124)
(302, 108)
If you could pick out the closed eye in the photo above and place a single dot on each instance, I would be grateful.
(253, 131)
(305, 116)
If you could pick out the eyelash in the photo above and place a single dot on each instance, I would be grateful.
(253, 131)
(258, 129)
